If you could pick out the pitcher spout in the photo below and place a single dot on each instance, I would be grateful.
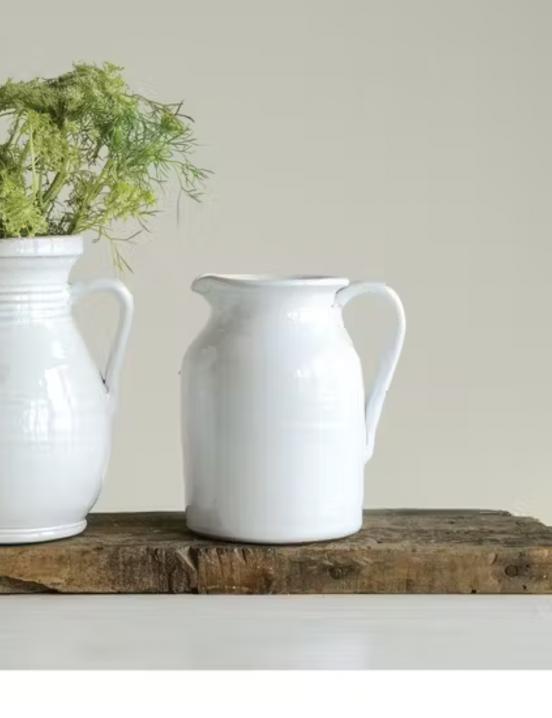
(204, 283)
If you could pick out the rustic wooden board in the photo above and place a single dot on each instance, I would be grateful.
(397, 551)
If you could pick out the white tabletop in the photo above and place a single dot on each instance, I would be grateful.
(275, 632)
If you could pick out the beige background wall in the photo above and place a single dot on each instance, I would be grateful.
(408, 141)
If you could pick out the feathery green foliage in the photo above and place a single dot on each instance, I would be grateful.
(83, 151)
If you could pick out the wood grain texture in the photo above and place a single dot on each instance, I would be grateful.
(397, 551)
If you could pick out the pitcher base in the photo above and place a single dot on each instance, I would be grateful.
(275, 540)
(39, 535)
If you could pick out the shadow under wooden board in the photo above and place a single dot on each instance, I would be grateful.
(396, 551)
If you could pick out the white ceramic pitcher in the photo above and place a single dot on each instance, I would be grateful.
(56, 410)
(276, 432)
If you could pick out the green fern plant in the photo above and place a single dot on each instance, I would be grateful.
(83, 152)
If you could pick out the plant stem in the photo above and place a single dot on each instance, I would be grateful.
(40, 183)
(74, 226)
(33, 167)
(54, 189)
(89, 198)
(14, 133)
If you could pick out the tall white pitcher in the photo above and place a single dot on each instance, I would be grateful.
(56, 409)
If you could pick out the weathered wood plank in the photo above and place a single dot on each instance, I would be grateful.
(397, 551)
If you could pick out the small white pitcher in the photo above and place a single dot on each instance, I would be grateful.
(276, 432)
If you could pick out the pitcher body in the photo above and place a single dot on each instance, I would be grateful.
(273, 413)
(56, 409)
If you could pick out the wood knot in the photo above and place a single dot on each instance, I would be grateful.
(511, 571)
(336, 573)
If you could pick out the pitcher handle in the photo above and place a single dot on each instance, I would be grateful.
(390, 358)
(118, 348)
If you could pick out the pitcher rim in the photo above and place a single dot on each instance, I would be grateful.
(274, 280)
(53, 246)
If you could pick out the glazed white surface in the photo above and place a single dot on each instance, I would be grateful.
(56, 409)
(276, 432)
